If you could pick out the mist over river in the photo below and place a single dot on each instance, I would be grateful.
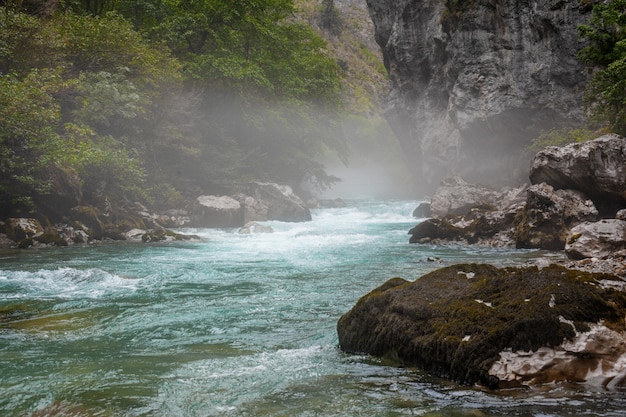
(235, 325)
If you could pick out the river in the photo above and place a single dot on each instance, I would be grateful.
(235, 325)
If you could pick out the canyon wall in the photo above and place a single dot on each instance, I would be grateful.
(474, 81)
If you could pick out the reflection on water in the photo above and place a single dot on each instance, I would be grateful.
(236, 325)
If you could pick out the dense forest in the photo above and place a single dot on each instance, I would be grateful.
(159, 101)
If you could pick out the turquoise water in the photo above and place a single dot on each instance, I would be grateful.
(236, 325)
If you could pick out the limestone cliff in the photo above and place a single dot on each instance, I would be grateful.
(473, 81)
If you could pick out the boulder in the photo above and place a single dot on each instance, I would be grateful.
(423, 210)
(606, 237)
(496, 326)
(455, 196)
(253, 210)
(548, 215)
(254, 227)
(479, 226)
(18, 229)
(490, 222)
(597, 168)
(89, 217)
(216, 211)
(282, 203)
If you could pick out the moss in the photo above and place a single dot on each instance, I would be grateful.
(51, 237)
(455, 321)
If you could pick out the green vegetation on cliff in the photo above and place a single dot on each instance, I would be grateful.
(606, 94)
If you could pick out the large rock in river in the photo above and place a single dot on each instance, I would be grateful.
(548, 215)
(456, 196)
(282, 203)
(216, 211)
(597, 168)
(497, 327)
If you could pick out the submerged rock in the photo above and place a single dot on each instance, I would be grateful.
(481, 324)
(254, 227)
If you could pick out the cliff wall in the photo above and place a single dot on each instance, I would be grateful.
(474, 81)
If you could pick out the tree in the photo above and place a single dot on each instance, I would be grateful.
(606, 93)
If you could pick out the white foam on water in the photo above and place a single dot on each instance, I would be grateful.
(214, 386)
(64, 283)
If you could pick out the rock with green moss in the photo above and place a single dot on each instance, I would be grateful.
(497, 327)
(18, 229)
(89, 217)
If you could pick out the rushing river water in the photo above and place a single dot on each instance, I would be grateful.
(236, 325)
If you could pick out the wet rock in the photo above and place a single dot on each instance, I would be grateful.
(51, 237)
(89, 217)
(548, 215)
(490, 222)
(455, 196)
(282, 203)
(254, 227)
(422, 211)
(606, 237)
(216, 211)
(160, 234)
(253, 209)
(597, 168)
(481, 324)
(18, 229)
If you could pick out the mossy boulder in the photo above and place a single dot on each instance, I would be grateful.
(456, 322)
(89, 216)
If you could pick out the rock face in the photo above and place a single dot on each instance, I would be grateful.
(472, 82)
(597, 168)
(548, 215)
(599, 239)
(481, 324)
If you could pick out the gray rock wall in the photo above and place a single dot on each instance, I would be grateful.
(473, 84)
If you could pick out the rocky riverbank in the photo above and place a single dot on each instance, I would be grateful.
(89, 224)
(575, 202)
(535, 324)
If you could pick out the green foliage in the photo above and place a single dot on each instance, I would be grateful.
(606, 93)
(28, 140)
(153, 99)
(330, 18)
(561, 137)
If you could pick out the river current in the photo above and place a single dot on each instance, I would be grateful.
(235, 325)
